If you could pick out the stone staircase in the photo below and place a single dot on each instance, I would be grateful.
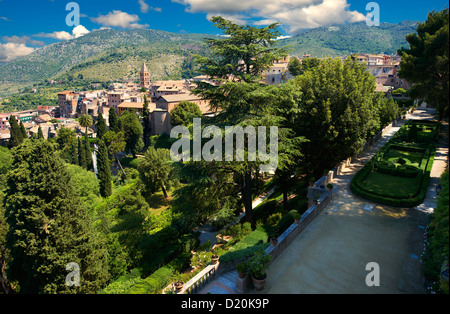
(224, 284)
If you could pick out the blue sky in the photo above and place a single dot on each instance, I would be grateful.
(28, 24)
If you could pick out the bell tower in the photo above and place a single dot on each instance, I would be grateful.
(144, 76)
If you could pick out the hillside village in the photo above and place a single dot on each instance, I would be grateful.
(164, 96)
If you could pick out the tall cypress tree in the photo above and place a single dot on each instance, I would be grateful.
(16, 134)
(81, 154)
(74, 152)
(88, 155)
(113, 120)
(104, 170)
(40, 133)
(49, 227)
(146, 123)
(23, 130)
(101, 126)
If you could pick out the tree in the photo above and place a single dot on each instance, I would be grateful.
(113, 120)
(23, 130)
(16, 134)
(40, 135)
(104, 170)
(115, 143)
(184, 113)
(101, 126)
(295, 67)
(146, 123)
(425, 63)
(48, 226)
(155, 170)
(86, 121)
(133, 131)
(310, 63)
(81, 154)
(237, 64)
(334, 110)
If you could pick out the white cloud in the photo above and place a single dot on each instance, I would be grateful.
(77, 31)
(295, 15)
(144, 7)
(62, 35)
(22, 40)
(11, 51)
(117, 18)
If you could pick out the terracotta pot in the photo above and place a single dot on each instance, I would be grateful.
(259, 284)
(311, 184)
(241, 275)
(316, 203)
(179, 286)
(297, 221)
(214, 259)
(274, 241)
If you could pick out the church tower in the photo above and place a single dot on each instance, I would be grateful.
(144, 75)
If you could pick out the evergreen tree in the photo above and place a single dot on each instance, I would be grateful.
(113, 120)
(23, 130)
(295, 67)
(104, 170)
(40, 133)
(74, 152)
(146, 123)
(86, 121)
(184, 113)
(49, 227)
(81, 154)
(101, 126)
(16, 134)
(244, 54)
(155, 170)
(88, 155)
(132, 129)
(425, 62)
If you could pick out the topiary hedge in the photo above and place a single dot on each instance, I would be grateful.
(395, 167)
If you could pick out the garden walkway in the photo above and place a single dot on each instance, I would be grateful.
(331, 254)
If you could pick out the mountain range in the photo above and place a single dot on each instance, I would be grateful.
(117, 55)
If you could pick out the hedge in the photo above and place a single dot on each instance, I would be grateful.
(255, 241)
(421, 174)
(413, 201)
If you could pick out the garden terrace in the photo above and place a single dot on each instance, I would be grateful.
(398, 174)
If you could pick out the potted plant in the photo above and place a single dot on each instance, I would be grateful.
(242, 269)
(179, 286)
(274, 241)
(297, 217)
(257, 266)
(214, 259)
(312, 181)
(330, 187)
(315, 202)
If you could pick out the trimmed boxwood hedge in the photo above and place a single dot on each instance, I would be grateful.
(377, 163)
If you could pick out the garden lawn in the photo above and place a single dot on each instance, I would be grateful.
(391, 186)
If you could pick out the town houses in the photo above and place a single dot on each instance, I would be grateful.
(163, 96)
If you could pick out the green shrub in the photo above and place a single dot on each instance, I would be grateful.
(274, 219)
(253, 242)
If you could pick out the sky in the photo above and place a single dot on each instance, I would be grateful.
(26, 25)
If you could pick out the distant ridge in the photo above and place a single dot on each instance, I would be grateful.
(117, 55)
